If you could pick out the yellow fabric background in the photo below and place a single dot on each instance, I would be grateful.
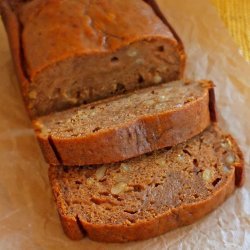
(236, 15)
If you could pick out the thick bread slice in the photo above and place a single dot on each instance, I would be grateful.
(72, 52)
(151, 194)
(126, 126)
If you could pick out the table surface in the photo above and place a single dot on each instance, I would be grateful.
(236, 16)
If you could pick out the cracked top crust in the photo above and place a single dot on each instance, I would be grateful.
(91, 27)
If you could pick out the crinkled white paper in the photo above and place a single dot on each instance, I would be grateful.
(28, 218)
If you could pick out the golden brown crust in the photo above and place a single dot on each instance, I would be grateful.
(71, 227)
(49, 151)
(111, 145)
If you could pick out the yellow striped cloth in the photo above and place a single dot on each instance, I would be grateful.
(236, 15)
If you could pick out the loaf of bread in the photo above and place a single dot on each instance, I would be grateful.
(128, 125)
(148, 195)
(72, 52)
(140, 154)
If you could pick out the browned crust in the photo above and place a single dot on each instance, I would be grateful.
(212, 106)
(13, 27)
(49, 152)
(132, 139)
(181, 216)
(181, 48)
(212, 101)
(71, 227)
(239, 166)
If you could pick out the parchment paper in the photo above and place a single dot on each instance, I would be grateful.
(28, 218)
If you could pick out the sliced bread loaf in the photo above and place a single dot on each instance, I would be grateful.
(148, 195)
(72, 52)
(126, 126)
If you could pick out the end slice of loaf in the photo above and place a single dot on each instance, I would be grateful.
(126, 126)
(151, 194)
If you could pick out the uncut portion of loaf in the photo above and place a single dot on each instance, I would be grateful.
(126, 126)
(71, 52)
(148, 195)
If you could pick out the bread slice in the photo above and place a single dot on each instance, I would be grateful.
(126, 126)
(148, 195)
(72, 52)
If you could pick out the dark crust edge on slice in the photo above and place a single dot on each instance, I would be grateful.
(56, 150)
(76, 229)
(239, 166)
